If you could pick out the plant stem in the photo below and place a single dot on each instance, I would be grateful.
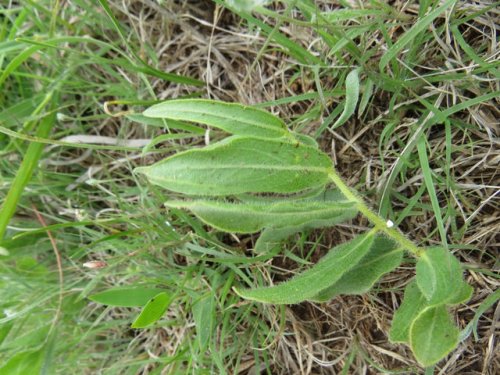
(373, 217)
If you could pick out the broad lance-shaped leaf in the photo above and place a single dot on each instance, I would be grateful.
(307, 284)
(433, 335)
(252, 217)
(439, 275)
(242, 165)
(233, 118)
(126, 297)
(153, 311)
(413, 303)
(271, 237)
(382, 258)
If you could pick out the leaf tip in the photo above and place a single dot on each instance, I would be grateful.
(238, 292)
(141, 170)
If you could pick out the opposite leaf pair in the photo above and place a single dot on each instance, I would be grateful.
(423, 320)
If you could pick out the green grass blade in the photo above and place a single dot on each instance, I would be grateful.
(16, 61)
(365, 98)
(23, 175)
(296, 50)
(408, 36)
(204, 318)
(429, 183)
(339, 15)
(488, 302)
(145, 68)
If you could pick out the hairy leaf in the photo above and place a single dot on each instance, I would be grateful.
(439, 275)
(305, 139)
(433, 335)
(233, 118)
(242, 165)
(126, 297)
(307, 284)
(463, 294)
(382, 258)
(271, 237)
(170, 124)
(413, 303)
(252, 217)
(153, 311)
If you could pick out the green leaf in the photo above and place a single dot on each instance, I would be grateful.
(351, 99)
(413, 303)
(26, 169)
(242, 165)
(5, 328)
(145, 68)
(203, 315)
(162, 123)
(365, 98)
(433, 335)
(271, 237)
(305, 139)
(408, 36)
(307, 284)
(26, 362)
(126, 297)
(439, 275)
(429, 183)
(233, 118)
(252, 217)
(463, 294)
(382, 258)
(153, 311)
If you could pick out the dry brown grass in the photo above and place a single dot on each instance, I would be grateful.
(239, 64)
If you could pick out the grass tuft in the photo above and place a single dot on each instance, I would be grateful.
(417, 133)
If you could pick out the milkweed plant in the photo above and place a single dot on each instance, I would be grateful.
(266, 178)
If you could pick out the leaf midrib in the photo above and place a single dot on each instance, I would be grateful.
(281, 128)
(251, 166)
(281, 214)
